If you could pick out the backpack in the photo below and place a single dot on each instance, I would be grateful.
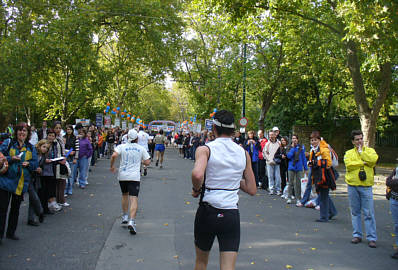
(334, 156)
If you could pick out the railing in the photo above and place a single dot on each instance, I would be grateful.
(387, 139)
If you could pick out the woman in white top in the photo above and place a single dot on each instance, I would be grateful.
(217, 177)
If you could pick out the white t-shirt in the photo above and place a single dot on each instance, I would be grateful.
(143, 138)
(130, 162)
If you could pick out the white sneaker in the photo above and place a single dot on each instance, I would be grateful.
(271, 192)
(132, 227)
(65, 204)
(278, 193)
(299, 204)
(125, 219)
(289, 201)
(54, 206)
(317, 207)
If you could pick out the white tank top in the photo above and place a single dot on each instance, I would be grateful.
(224, 172)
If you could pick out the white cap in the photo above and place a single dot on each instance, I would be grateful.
(132, 135)
(275, 129)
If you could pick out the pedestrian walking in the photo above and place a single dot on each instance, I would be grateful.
(143, 139)
(22, 162)
(297, 165)
(71, 144)
(321, 162)
(359, 177)
(262, 172)
(252, 146)
(217, 177)
(392, 195)
(159, 141)
(273, 170)
(132, 155)
(85, 152)
(60, 175)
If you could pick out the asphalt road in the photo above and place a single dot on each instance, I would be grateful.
(274, 235)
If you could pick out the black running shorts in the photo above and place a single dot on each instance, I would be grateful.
(223, 223)
(132, 187)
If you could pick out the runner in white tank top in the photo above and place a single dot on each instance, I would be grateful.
(217, 178)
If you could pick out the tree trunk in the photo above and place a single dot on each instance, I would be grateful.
(265, 105)
(367, 116)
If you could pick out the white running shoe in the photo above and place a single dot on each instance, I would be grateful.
(289, 201)
(132, 227)
(317, 207)
(278, 193)
(125, 219)
(65, 204)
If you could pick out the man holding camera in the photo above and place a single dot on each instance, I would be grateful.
(360, 162)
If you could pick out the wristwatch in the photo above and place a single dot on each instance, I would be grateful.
(197, 190)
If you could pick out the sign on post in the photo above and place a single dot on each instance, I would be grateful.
(84, 122)
(107, 121)
(117, 121)
(243, 122)
(124, 124)
(98, 119)
(209, 124)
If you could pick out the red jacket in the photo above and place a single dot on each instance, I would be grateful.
(263, 141)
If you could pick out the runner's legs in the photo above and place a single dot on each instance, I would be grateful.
(202, 258)
(133, 206)
(125, 202)
(228, 260)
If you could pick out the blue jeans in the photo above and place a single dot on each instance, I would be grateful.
(394, 213)
(327, 208)
(70, 181)
(361, 199)
(83, 168)
(308, 188)
(274, 177)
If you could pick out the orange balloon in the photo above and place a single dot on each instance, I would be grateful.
(108, 104)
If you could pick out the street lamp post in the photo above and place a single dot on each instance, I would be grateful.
(244, 82)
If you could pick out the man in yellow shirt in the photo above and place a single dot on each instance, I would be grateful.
(360, 162)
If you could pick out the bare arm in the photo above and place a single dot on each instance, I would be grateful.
(248, 184)
(198, 172)
(146, 162)
(113, 159)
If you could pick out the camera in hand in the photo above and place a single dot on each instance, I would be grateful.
(362, 174)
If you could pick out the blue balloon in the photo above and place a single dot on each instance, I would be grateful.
(107, 107)
(215, 110)
(118, 108)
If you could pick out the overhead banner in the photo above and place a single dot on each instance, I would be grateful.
(107, 121)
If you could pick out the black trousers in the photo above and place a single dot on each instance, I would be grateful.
(262, 174)
(47, 191)
(284, 177)
(13, 215)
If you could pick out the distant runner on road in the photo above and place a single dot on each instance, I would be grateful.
(132, 154)
(217, 177)
(143, 138)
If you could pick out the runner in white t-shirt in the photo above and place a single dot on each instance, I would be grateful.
(143, 138)
(132, 154)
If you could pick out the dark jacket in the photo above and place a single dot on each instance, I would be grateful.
(17, 178)
(253, 149)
